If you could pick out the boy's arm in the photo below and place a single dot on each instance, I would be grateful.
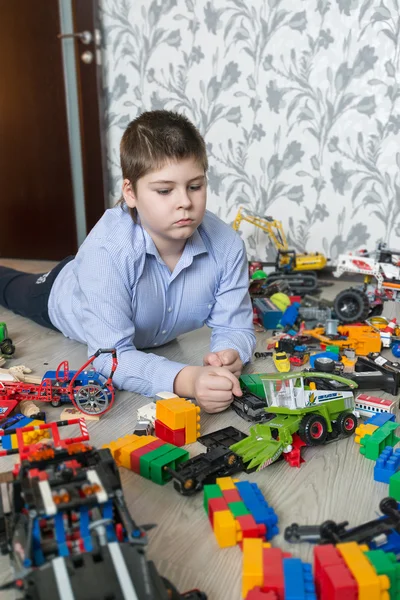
(231, 318)
(108, 322)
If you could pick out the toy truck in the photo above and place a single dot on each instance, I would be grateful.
(315, 415)
(67, 529)
(7, 348)
(381, 283)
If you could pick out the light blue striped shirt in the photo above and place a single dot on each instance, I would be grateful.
(119, 293)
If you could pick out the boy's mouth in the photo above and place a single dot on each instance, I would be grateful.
(183, 222)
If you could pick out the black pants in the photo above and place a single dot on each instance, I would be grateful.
(28, 294)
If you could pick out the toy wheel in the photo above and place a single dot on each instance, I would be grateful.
(351, 305)
(92, 400)
(376, 311)
(313, 430)
(324, 365)
(346, 423)
(387, 505)
(55, 403)
(7, 347)
(230, 460)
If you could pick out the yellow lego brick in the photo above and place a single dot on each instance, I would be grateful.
(226, 483)
(253, 570)
(370, 585)
(225, 528)
(31, 437)
(192, 430)
(364, 429)
(172, 412)
(121, 449)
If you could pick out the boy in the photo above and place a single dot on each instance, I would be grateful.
(155, 266)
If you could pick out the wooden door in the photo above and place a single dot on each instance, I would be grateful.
(37, 205)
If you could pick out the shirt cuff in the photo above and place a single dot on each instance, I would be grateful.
(165, 376)
(235, 342)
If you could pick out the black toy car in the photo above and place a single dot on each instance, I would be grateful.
(251, 408)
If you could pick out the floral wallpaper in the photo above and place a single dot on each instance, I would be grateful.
(298, 101)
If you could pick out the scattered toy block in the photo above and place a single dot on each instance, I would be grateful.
(387, 464)
(299, 582)
(371, 446)
(370, 585)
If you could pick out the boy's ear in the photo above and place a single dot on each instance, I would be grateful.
(128, 193)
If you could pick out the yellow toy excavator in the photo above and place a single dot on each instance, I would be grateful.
(286, 260)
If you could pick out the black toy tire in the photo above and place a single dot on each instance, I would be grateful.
(351, 305)
(376, 311)
(313, 430)
(7, 347)
(346, 423)
(387, 505)
(324, 365)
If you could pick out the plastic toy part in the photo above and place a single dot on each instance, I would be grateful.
(177, 421)
(396, 350)
(147, 456)
(7, 348)
(238, 510)
(372, 445)
(222, 437)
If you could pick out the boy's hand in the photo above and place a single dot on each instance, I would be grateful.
(225, 358)
(212, 387)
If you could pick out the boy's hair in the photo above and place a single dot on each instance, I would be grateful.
(157, 137)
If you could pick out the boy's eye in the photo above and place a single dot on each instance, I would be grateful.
(195, 188)
(163, 192)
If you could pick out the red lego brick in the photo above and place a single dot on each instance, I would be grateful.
(294, 457)
(333, 579)
(177, 437)
(232, 496)
(249, 528)
(215, 505)
(274, 580)
(257, 594)
(136, 454)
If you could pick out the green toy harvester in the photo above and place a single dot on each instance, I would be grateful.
(315, 415)
(7, 348)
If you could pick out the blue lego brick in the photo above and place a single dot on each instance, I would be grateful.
(21, 421)
(257, 505)
(60, 534)
(392, 543)
(38, 556)
(108, 513)
(387, 464)
(84, 521)
(298, 580)
(380, 419)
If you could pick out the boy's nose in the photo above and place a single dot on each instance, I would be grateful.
(184, 199)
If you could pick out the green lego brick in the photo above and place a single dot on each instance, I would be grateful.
(371, 446)
(332, 348)
(147, 459)
(211, 491)
(386, 564)
(394, 486)
(238, 509)
(172, 459)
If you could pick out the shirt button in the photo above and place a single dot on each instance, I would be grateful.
(210, 305)
(170, 309)
(164, 331)
(155, 343)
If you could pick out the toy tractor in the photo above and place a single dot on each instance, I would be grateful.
(315, 415)
(381, 283)
(7, 348)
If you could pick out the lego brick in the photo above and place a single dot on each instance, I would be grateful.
(258, 507)
(257, 594)
(380, 419)
(215, 505)
(387, 464)
(370, 585)
(238, 509)
(371, 446)
(121, 449)
(385, 563)
(225, 529)
(30, 437)
(299, 583)
(226, 483)
(252, 571)
(211, 491)
(147, 459)
(394, 486)
(172, 436)
(364, 429)
(137, 454)
(231, 495)
(269, 314)
(333, 578)
(192, 428)
(171, 459)
(172, 412)
(250, 528)
(273, 571)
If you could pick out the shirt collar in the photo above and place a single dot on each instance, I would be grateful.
(194, 245)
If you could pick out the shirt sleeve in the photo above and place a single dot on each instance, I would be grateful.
(231, 317)
(108, 322)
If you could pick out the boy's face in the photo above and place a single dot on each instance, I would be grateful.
(170, 201)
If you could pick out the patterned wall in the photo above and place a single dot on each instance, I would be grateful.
(298, 101)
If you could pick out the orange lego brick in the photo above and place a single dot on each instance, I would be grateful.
(370, 585)
(253, 571)
(225, 529)
(121, 449)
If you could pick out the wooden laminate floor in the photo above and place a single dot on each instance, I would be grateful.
(335, 482)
